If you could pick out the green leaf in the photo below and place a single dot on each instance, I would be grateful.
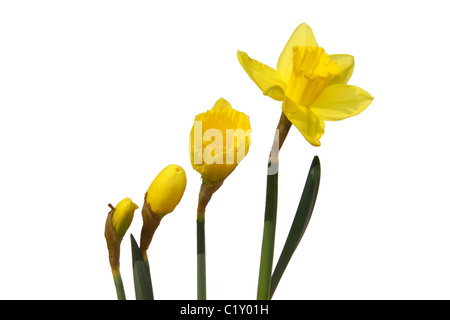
(141, 274)
(142, 284)
(301, 220)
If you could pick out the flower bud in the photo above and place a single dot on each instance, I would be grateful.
(163, 195)
(219, 140)
(166, 190)
(123, 215)
(117, 223)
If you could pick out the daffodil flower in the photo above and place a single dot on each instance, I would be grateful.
(219, 140)
(311, 84)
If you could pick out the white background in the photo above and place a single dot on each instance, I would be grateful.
(96, 97)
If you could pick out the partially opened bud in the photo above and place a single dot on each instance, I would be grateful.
(166, 190)
(123, 215)
(219, 140)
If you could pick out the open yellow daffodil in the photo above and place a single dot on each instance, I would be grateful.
(311, 84)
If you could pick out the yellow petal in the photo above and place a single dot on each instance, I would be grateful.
(309, 125)
(216, 172)
(221, 103)
(266, 78)
(341, 101)
(346, 63)
(302, 37)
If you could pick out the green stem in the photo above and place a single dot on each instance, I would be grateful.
(201, 263)
(119, 285)
(268, 243)
(206, 191)
(270, 215)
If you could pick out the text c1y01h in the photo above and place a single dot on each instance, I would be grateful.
(230, 309)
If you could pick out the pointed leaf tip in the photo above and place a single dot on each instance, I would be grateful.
(141, 273)
(135, 251)
(316, 161)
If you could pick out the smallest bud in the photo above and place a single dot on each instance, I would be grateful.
(123, 215)
(117, 223)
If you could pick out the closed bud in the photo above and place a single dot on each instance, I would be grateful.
(166, 190)
(163, 195)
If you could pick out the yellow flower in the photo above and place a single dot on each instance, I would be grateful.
(219, 140)
(311, 84)
(123, 215)
(166, 190)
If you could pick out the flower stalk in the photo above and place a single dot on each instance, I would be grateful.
(201, 259)
(268, 242)
(207, 189)
(270, 215)
(119, 285)
(150, 223)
